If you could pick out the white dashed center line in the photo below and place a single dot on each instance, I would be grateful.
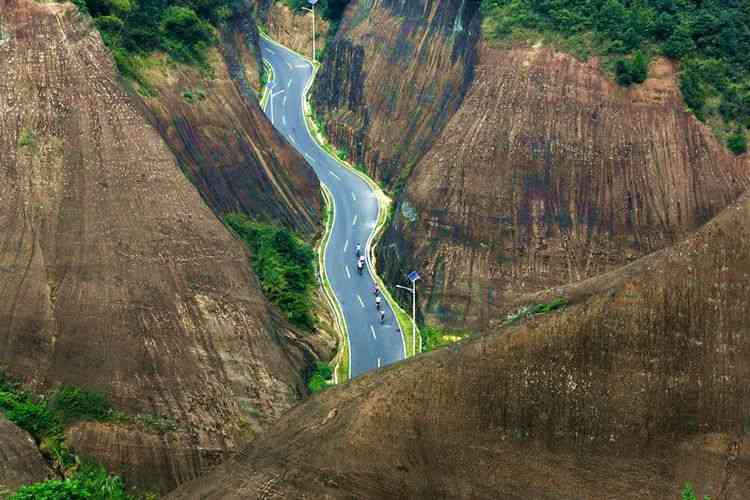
(336, 176)
(354, 197)
(372, 329)
(360, 301)
(354, 223)
(348, 274)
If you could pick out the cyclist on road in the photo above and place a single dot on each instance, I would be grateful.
(376, 290)
(382, 316)
(377, 302)
(359, 251)
(360, 266)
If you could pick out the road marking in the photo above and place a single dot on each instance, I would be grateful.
(353, 196)
(336, 176)
(283, 119)
(378, 362)
(346, 245)
(360, 301)
(284, 102)
(274, 94)
(289, 85)
(372, 329)
(302, 66)
(291, 138)
(355, 221)
(348, 274)
(290, 65)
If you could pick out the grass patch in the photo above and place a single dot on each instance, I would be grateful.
(27, 139)
(535, 310)
(193, 96)
(89, 481)
(434, 337)
(284, 264)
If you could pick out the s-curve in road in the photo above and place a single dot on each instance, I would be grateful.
(372, 344)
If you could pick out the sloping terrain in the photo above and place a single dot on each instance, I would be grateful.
(115, 274)
(222, 141)
(20, 460)
(630, 393)
(550, 173)
(394, 74)
(293, 30)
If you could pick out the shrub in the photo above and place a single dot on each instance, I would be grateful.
(73, 404)
(284, 264)
(737, 142)
(90, 482)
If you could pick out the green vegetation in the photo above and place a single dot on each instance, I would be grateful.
(27, 139)
(536, 309)
(689, 494)
(332, 10)
(135, 29)
(192, 96)
(90, 482)
(320, 377)
(45, 419)
(710, 38)
(434, 337)
(285, 266)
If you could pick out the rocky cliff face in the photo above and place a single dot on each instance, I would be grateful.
(115, 273)
(224, 143)
(550, 173)
(20, 460)
(632, 392)
(394, 75)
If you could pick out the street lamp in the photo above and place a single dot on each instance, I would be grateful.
(312, 2)
(413, 277)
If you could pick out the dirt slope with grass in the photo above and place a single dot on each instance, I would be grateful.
(293, 30)
(638, 387)
(20, 460)
(222, 140)
(115, 275)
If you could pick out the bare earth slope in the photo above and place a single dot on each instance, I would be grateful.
(550, 173)
(114, 274)
(224, 143)
(394, 75)
(626, 395)
(20, 460)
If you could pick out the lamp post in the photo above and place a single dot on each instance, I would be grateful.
(413, 277)
(312, 2)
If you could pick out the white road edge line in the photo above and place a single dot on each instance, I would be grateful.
(372, 329)
(346, 245)
(336, 176)
(348, 274)
(360, 301)
(354, 223)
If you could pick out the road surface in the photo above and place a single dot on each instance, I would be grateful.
(372, 345)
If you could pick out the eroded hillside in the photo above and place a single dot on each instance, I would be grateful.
(550, 173)
(115, 274)
(630, 393)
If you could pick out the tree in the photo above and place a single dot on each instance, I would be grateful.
(737, 142)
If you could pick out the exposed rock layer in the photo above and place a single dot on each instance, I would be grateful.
(550, 173)
(20, 460)
(626, 395)
(393, 76)
(115, 275)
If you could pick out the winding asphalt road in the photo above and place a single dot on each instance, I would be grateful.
(372, 344)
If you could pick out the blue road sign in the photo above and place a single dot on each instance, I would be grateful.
(413, 276)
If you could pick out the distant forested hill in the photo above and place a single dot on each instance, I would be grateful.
(710, 38)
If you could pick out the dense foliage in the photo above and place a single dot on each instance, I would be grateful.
(133, 29)
(285, 266)
(89, 482)
(329, 9)
(319, 378)
(711, 38)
